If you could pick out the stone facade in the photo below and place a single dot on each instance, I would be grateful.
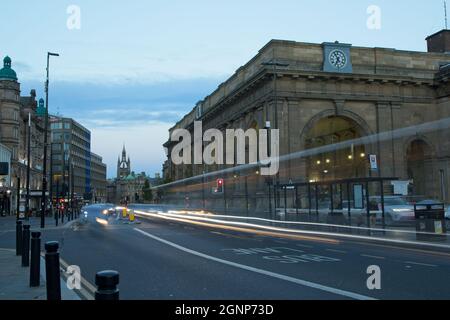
(14, 114)
(285, 83)
(5, 180)
(127, 187)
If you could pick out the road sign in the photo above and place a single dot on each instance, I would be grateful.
(373, 162)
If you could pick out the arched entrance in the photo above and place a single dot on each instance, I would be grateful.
(341, 163)
(418, 157)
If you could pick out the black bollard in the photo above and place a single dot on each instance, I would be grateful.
(52, 271)
(18, 238)
(26, 246)
(35, 269)
(107, 282)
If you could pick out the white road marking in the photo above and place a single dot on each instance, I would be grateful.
(260, 271)
(421, 264)
(336, 251)
(373, 257)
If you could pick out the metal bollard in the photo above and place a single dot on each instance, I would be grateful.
(26, 246)
(35, 269)
(19, 238)
(107, 282)
(52, 271)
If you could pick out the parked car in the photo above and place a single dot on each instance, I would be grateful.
(397, 210)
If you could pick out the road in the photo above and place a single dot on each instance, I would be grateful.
(160, 259)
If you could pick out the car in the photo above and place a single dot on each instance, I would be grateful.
(397, 210)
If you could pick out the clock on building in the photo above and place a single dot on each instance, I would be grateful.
(337, 57)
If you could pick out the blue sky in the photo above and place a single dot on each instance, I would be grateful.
(135, 67)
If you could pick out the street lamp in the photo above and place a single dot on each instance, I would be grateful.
(44, 171)
(27, 204)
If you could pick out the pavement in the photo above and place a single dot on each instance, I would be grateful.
(194, 260)
(14, 280)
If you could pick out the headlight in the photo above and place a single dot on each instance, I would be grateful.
(401, 210)
(105, 212)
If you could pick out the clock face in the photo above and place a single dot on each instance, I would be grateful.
(338, 59)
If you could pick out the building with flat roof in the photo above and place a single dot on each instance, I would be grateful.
(324, 95)
(98, 179)
(71, 150)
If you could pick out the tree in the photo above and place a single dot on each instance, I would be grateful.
(148, 194)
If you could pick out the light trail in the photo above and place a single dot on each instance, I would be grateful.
(297, 222)
(234, 228)
(367, 140)
(280, 232)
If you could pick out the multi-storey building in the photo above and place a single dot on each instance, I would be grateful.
(98, 178)
(72, 158)
(15, 112)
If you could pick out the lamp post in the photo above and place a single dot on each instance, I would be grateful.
(44, 171)
(18, 199)
(27, 204)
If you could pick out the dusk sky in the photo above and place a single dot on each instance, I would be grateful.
(134, 68)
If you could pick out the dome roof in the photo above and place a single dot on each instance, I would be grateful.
(7, 73)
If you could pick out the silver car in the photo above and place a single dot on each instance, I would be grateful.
(397, 210)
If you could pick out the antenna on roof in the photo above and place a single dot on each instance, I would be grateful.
(445, 11)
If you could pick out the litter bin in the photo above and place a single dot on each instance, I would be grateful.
(430, 222)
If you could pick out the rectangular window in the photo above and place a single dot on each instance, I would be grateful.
(57, 157)
(56, 147)
(57, 136)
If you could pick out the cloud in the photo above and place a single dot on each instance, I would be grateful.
(136, 113)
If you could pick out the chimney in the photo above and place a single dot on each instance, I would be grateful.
(439, 42)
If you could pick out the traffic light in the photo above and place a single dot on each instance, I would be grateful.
(220, 185)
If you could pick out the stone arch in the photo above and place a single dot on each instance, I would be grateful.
(419, 156)
(329, 128)
(422, 137)
(332, 112)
